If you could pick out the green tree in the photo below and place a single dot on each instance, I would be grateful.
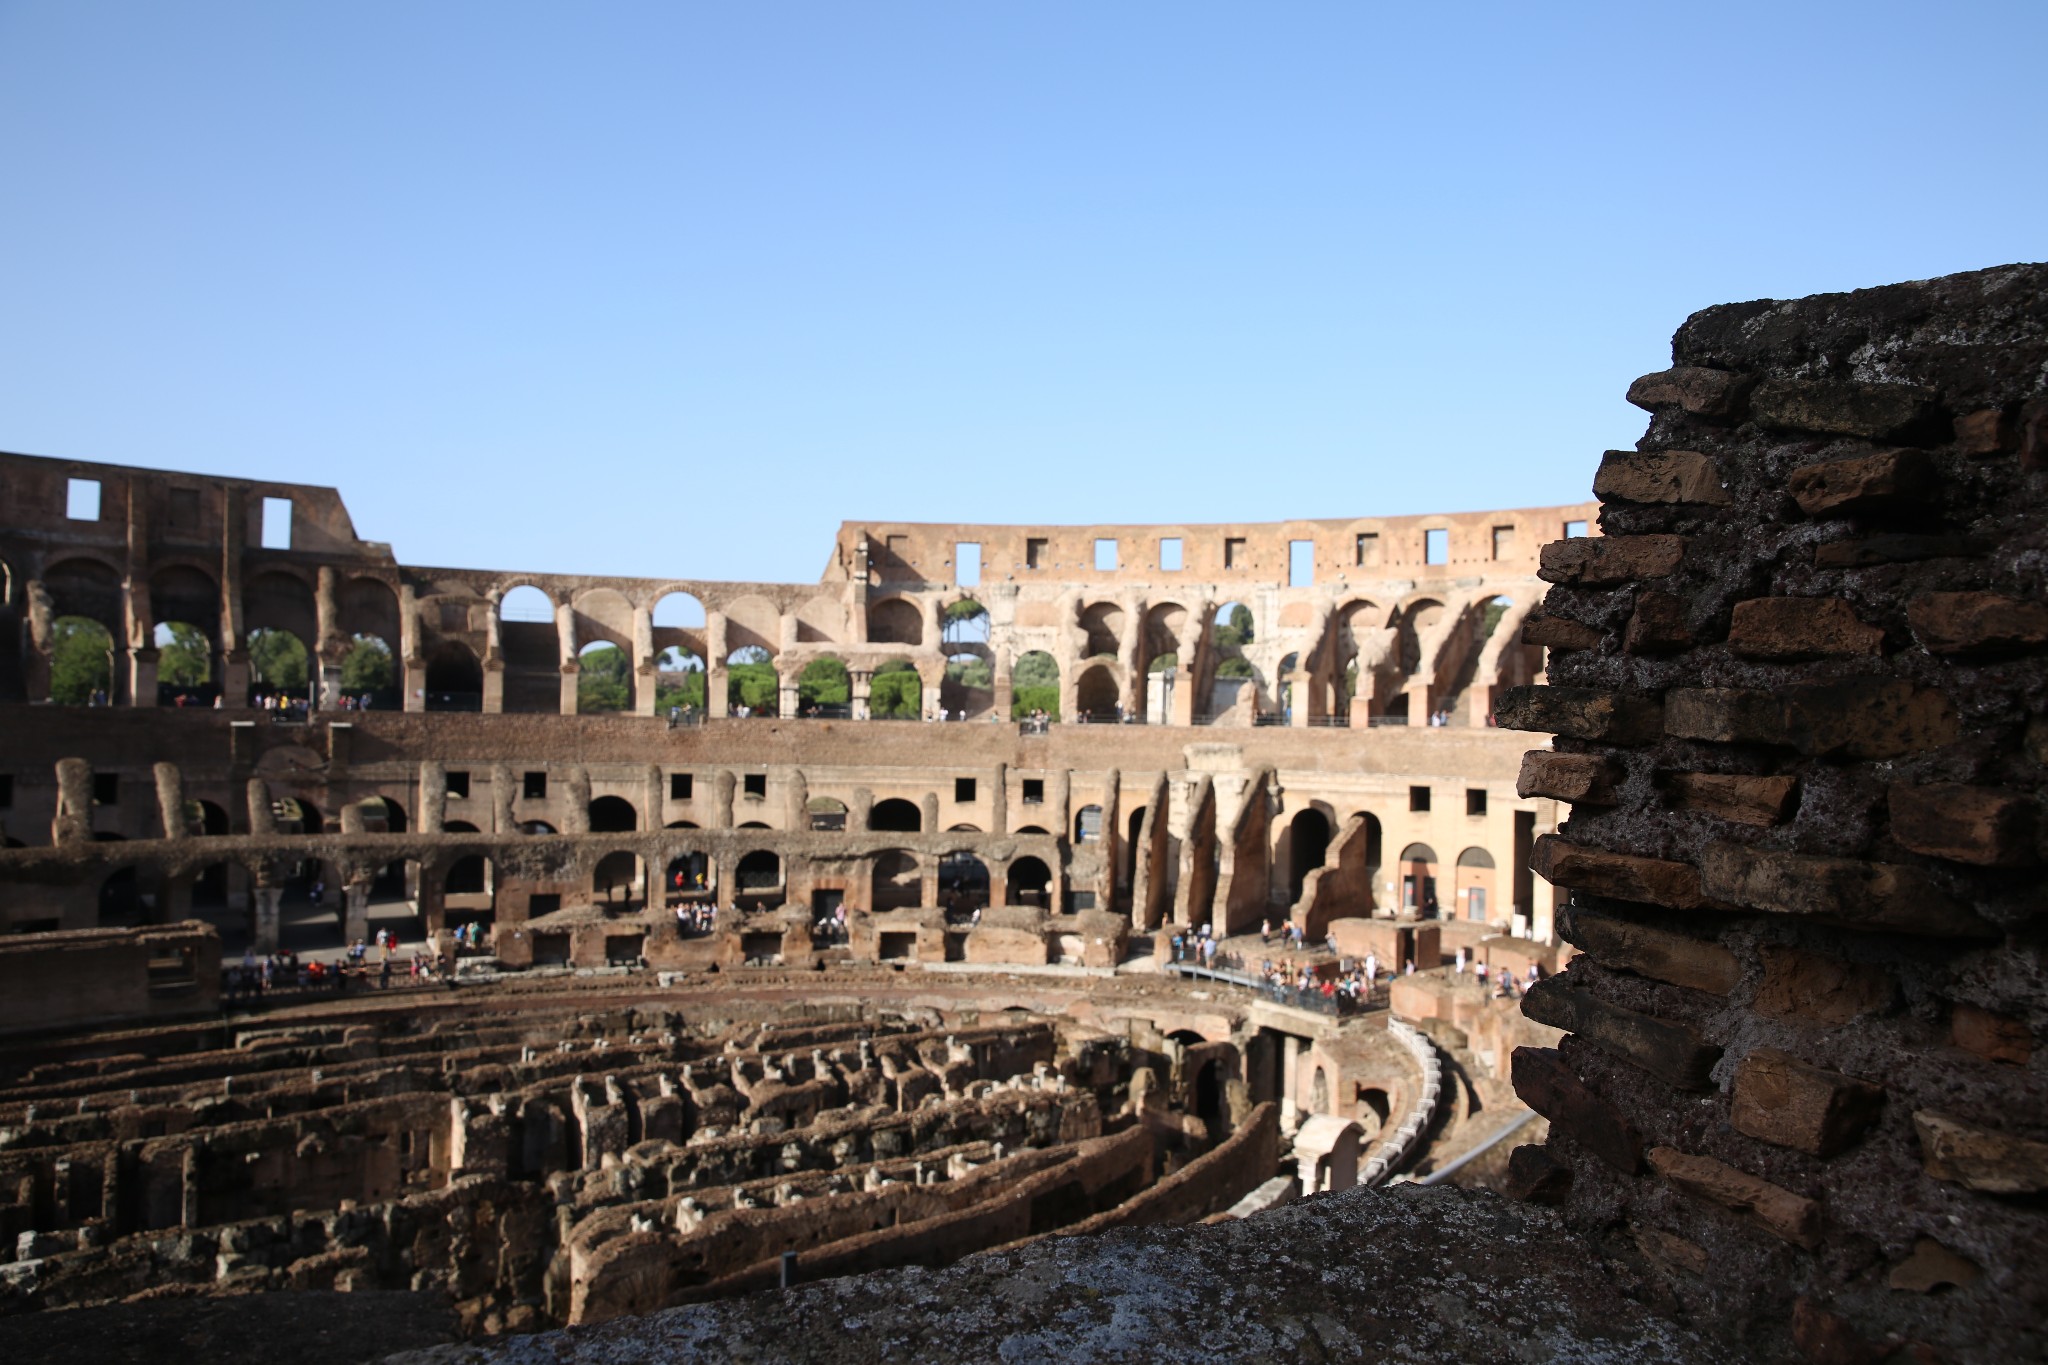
(679, 688)
(184, 658)
(896, 691)
(278, 659)
(970, 670)
(1236, 631)
(1036, 669)
(367, 666)
(1234, 667)
(605, 682)
(81, 660)
(1164, 662)
(824, 682)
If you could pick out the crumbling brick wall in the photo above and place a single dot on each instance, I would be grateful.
(1800, 694)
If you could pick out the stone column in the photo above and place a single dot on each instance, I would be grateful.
(1290, 1076)
(141, 622)
(645, 675)
(572, 672)
(234, 664)
(717, 703)
(73, 823)
(332, 646)
(355, 914)
(264, 935)
(863, 693)
(170, 800)
(409, 648)
(999, 805)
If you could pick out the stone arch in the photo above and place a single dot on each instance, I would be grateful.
(827, 814)
(821, 620)
(896, 691)
(1418, 880)
(615, 881)
(753, 620)
(1102, 626)
(84, 586)
(455, 680)
(825, 687)
(531, 645)
(897, 881)
(678, 621)
(896, 816)
(276, 599)
(1319, 1091)
(368, 606)
(603, 614)
(467, 878)
(895, 621)
(604, 681)
(613, 815)
(1088, 824)
(1034, 685)
(526, 604)
(757, 872)
(1029, 883)
(689, 870)
(1096, 692)
(1473, 891)
(963, 881)
(184, 603)
(752, 686)
(1308, 845)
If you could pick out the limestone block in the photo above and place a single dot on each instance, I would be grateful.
(1677, 959)
(1782, 1100)
(1607, 561)
(1673, 1053)
(1981, 825)
(1658, 476)
(1976, 622)
(1788, 1215)
(1800, 628)
(1979, 1158)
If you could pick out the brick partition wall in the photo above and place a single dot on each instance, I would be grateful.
(1800, 694)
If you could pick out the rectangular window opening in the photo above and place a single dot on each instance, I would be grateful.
(1233, 552)
(679, 786)
(458, 785)
(1475, 800)
(82, 499)
(1078, 901)
(1418, 798)
(1367, 549)
(1436, 547)
(967, 564)
(1503, 542)
(543, 903)
(106, 789)
(1170, 554)
(1034, 791)
(535, 787)
(277, 523)
(1105, 555)
(1301, 563)
(1035, 552)
(1575, 530)
(756, 784)
(963, 789)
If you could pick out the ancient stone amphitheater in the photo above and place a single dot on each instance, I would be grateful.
(732, 1003)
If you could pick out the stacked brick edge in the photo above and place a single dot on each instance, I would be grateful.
(1800, 698)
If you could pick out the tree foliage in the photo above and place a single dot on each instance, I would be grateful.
(970, 670)
(606, 680)
(896, 691)
(1036, 669)
(81, 660)
(1235, 667)
(186, 658)
(679, 689)
(752, 685)
(824, 682)
(367, 666)
(1164, 662)
(1236, 631)
(277, 659)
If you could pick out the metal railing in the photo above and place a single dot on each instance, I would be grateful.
(1336, 1003)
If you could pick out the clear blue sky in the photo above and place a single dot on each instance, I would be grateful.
(673, 288)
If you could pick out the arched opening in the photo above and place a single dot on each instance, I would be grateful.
(206, 819)
(466, 890)
(1208, 1096)
(1095, 694)
(1232, 633)
(536, 827)
(211, 889)
(1473, 893)
(11, 685)
(1102, 628)
(1356, 641)
(751, 685)
(81, 662)
(896, 692)
(278, 671)
(1372, 1109)
(825, 689)
(186, 604)
(1029, 883)
(1134, 827)
(1164, 625)
(1283, 685)
(963, 882)
(895, 816)
(1418, 880)
(828, 814)
(678, 610)
(613, 815)
(963, 829)
(968, 688)
(120, 903)
(686, 872)
(1308, 838)
(897, 881)
(604, 679)
(531, 643)
(1087, 824)
(1033, 829)
(455, 680)
(1319, 1092)
(296, 815)
(758, 872)
(895, 621)
(369, 675)
(678, 681)
(616, 881)
(1035, 686)
(964, 623)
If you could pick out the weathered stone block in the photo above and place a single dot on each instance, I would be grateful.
(1659, 476)
(1992, 1036)
(1604, 561)
(1976, 622)
(1581, 713)
(1790, 1216)
(1679, 959)
(1981, 825)
(1747, 800)
(1657, 626)
(1673, 1053)
(1555, 632)
(1659, 881)
(1537, 1177)
(1583, 779)
(1717, 394)
(1883, 481)
(1847, 891)
(1896, 547)
(1817, 989)
(1979, 1158)
(1874, 411)
(1800, 628)
(1547, 1084)
(1987, 431)
(1857, 717)
(1782, 1100)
